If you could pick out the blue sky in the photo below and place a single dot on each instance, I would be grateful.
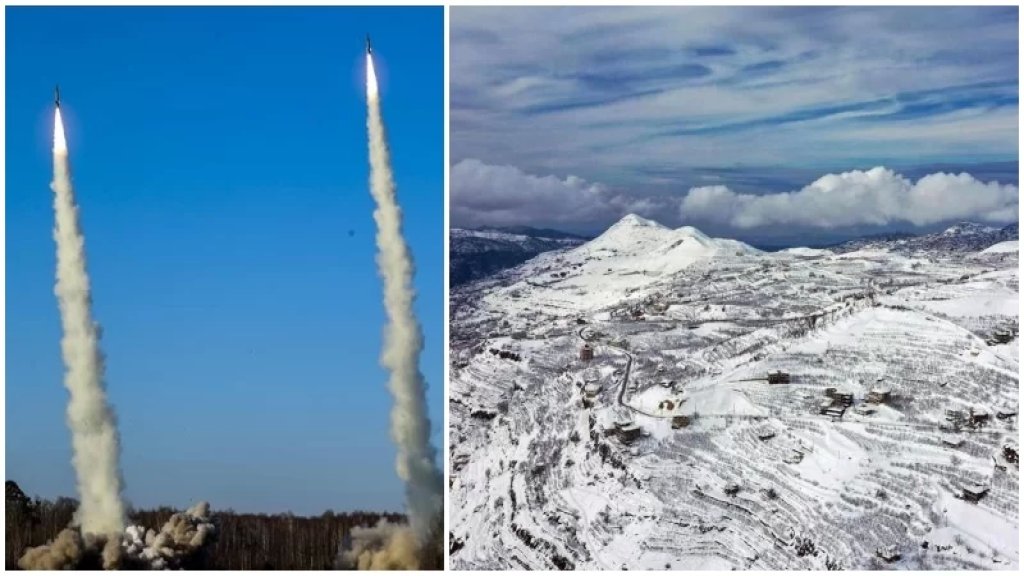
(220, 162)
(640, 105)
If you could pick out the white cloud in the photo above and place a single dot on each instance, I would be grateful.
(488, 195)
(875, 197)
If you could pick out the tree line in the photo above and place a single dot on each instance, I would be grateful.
(244, 541)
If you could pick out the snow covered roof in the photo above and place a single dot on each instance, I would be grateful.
(975, 488)
(952, 440)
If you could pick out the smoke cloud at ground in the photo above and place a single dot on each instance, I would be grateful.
(389, 545)
(180, 542)
(94, 434)
(385, 546)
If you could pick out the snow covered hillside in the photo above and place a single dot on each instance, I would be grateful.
(962, 237)
(475, 254)
(656, 398)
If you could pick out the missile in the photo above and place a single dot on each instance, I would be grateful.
(369, 48)
(56, 95)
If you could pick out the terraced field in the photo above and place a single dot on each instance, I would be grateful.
(561, 463)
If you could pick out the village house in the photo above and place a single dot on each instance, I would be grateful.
(1006, 411)
(1001, 336)
(888, 553)
(629, 433)
(979, 416)
(835, 412)
(879, 394)
(956, 417)
(680, 421)
(952, 440)
(864, 410)
(844, 399)
(586, 353)
(973, 492)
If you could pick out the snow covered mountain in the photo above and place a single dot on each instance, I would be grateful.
(630, 255)
(962, 237)
(656, 398)
(474, 254)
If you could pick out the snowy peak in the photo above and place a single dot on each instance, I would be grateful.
(630, 231)
(642, 239)
(691, 232)
(634, 221)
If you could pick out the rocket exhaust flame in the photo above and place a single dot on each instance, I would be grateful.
(371, 79)
(94, 433)
(388, 545)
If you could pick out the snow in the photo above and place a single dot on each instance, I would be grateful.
(716, 319)
(627, 256)
(983, 528)
(807, 252)
(1002, 248)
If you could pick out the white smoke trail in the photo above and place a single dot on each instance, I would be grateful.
(91, 420)
(403, 340)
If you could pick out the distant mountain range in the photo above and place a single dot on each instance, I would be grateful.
(479, 253)
(475, 254)
(961, 237)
